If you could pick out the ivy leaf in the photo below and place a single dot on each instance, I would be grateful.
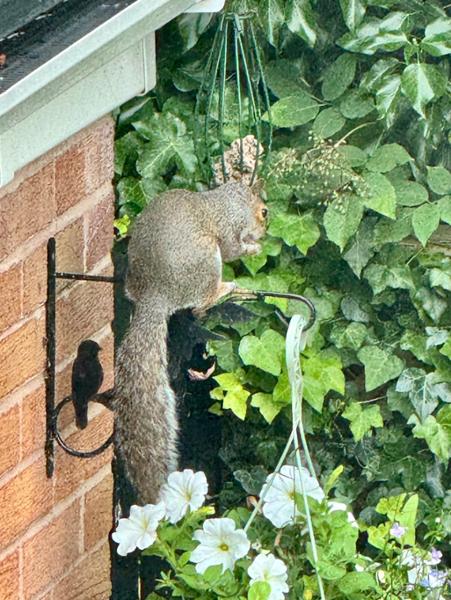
(445, 209)
(265, 352)
(301, 20)
(354, 156)
(420, 387)
(259, 590)
(270, 247)
(353, 12)
(380, 366)
(446, 350)
(387, 231)
(437, 39)
(378, 536)
(126, 150)
(362, 420)
(168, 144)
(387, 98)
(382, 195)
(431, 303)
(353, 583)
(381, 277)
(436, 337)
(440, 278)
(284, 77)
(421, 83)
(338, 76)
(236, 401)
(232, 393)
(387, 157)
(361, 250)
(425, 221)
(271, 16)
(267, 406)
(300, 231)
(292, 111)
(328, 122)
(352, 311)
(355, 105)
(375, 34)
(225, 354)
(439, 180)
(322, 373)
(375, 77)
(342, 219)
(191, 26)
(410, 193)
(436, 432)
(349, 336)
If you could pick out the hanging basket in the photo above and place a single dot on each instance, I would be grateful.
(233, 132)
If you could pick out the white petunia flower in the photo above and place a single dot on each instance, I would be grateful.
(266, 567)
(334, 506)
(220, 544)
(184, 490)
(140, 529)
(279, 494)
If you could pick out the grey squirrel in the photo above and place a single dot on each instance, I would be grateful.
(176, 253)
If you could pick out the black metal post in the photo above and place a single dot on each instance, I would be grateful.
(51, 356)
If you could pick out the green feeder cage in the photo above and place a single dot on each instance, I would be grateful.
(233, 101)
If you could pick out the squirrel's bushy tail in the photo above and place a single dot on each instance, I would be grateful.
(146, 416)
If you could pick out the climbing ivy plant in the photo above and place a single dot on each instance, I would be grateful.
(359, 193)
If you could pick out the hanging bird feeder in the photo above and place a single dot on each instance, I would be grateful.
(233, 132)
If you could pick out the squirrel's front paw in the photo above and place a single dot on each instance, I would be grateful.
(252, 248)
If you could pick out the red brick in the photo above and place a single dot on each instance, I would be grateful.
(35, 280)
(70, 185)
(85, 309)
(69, 251)
(33, 421)
(69, 247)
(70, 471)
(99, 239)
(99, 144)
(90, 580)
(52, 551)
(27, 210)
(9, 439)
(10, 296)
(98, 512)
(21, 355)
(23, 499)
(107, 359)
(9, 577)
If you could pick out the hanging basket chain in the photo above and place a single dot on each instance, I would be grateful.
(234, 47)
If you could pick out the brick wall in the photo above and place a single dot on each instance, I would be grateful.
(53, 532)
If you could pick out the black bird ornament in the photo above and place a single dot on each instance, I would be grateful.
(87, 377)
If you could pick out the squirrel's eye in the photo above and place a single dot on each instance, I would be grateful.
(264, 212)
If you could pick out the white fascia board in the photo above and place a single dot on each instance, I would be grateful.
(202, 6)
(105, 68)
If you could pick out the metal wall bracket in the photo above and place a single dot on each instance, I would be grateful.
(52, 409)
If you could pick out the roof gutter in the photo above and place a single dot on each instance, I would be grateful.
(103, 69)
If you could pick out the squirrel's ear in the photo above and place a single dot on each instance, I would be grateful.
(257, 187)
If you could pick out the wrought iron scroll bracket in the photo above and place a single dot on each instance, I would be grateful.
(52, 409)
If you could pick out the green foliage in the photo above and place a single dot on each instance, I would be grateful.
(358, 190)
